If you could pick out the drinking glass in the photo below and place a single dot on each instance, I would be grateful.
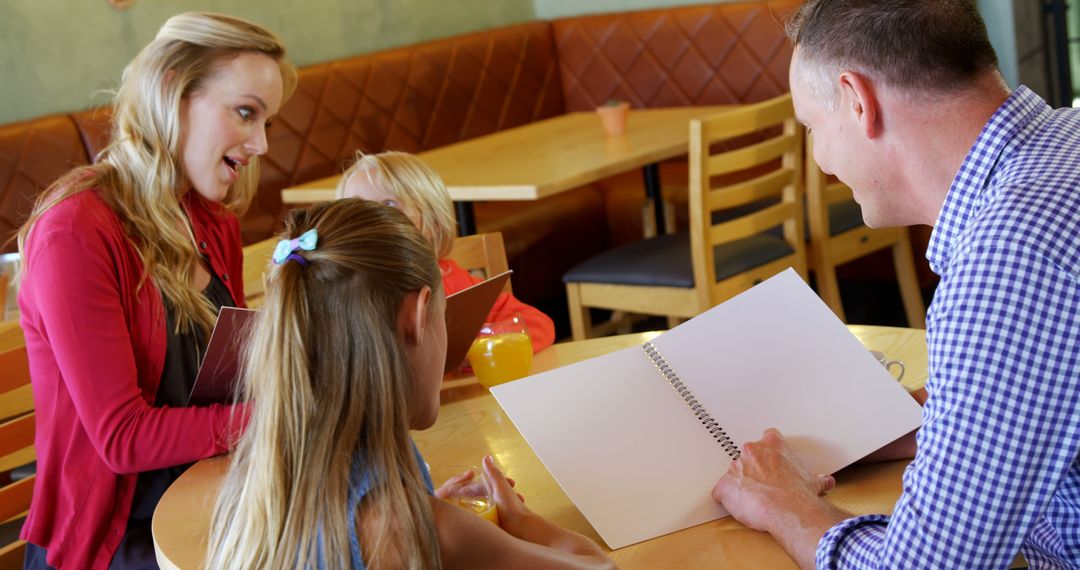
(467, 487)
(501, 352)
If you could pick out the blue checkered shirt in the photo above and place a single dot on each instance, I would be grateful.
(996, 470)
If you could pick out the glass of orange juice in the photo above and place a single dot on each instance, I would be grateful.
(467, 487)
(501, 352)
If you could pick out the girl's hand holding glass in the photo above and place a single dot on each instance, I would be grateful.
(468, 488)
(511, 505)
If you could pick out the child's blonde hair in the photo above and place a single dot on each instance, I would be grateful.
(328, 380)
(417, 186)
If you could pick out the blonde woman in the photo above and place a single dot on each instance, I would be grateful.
(126, 264)
(347, 357)
(405, 182)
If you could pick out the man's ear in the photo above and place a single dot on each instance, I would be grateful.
(412, 318)
(859, 99)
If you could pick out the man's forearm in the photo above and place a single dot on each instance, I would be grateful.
(800, 530)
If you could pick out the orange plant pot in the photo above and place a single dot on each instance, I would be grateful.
(613, 117)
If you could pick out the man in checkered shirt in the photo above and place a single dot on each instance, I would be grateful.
(906, 105)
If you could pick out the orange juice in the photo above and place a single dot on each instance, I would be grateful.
(500, 358)
(479, 506)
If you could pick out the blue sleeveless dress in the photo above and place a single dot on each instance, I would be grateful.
(361, 484)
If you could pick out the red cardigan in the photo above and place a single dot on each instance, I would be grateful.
(96, 345)
(541, 329)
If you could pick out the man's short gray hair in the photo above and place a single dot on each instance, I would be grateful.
(914, 45)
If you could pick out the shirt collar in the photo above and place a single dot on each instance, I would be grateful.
(966, 192)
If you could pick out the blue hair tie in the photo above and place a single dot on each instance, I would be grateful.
(286, 249)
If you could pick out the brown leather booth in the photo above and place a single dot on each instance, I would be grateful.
(32, 154)
(435, 93)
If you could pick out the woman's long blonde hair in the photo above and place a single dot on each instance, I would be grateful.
(327, 379)
(140, 173)
(417, 186)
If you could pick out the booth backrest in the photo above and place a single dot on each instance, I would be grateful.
(33, 154)
(712, 54)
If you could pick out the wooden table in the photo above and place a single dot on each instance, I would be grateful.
(471, 424)
(540, 159)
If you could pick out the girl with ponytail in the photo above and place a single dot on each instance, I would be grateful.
(346, 357)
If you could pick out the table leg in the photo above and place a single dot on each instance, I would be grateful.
(466, 218)
(654, 195)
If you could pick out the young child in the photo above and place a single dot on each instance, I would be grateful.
(346, 358)
(403, 181)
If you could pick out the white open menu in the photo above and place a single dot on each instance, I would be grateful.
(627, 449)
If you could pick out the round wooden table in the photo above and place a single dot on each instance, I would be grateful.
(471, 424)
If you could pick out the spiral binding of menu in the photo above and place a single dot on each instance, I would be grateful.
(696, 408)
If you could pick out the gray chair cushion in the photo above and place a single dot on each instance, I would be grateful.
(843, 216)
(664, 261)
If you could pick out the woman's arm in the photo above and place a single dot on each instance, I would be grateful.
(526, 540)
(84, 331)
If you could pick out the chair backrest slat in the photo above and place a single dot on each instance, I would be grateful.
(750, 156)
(11, 335)
(16, 369)
(15, 498)
(752, 224)
(11, 556)
(482, 253)
(747, 119)
(256, 262)
(16, 434)
(763, 187)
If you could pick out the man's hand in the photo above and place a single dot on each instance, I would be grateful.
(767, 489)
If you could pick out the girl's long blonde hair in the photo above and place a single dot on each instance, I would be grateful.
(417, 186)
(327, 379)
(140, 173)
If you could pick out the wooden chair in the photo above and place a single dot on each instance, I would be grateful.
(3, 297)
(738, 197)
(838, 235)
(483, 255)
(16, 449)
(256, 260)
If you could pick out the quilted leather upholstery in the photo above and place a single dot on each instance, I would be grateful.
(94, 126)
(32, 155)
(411, 99)
(695, 55)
